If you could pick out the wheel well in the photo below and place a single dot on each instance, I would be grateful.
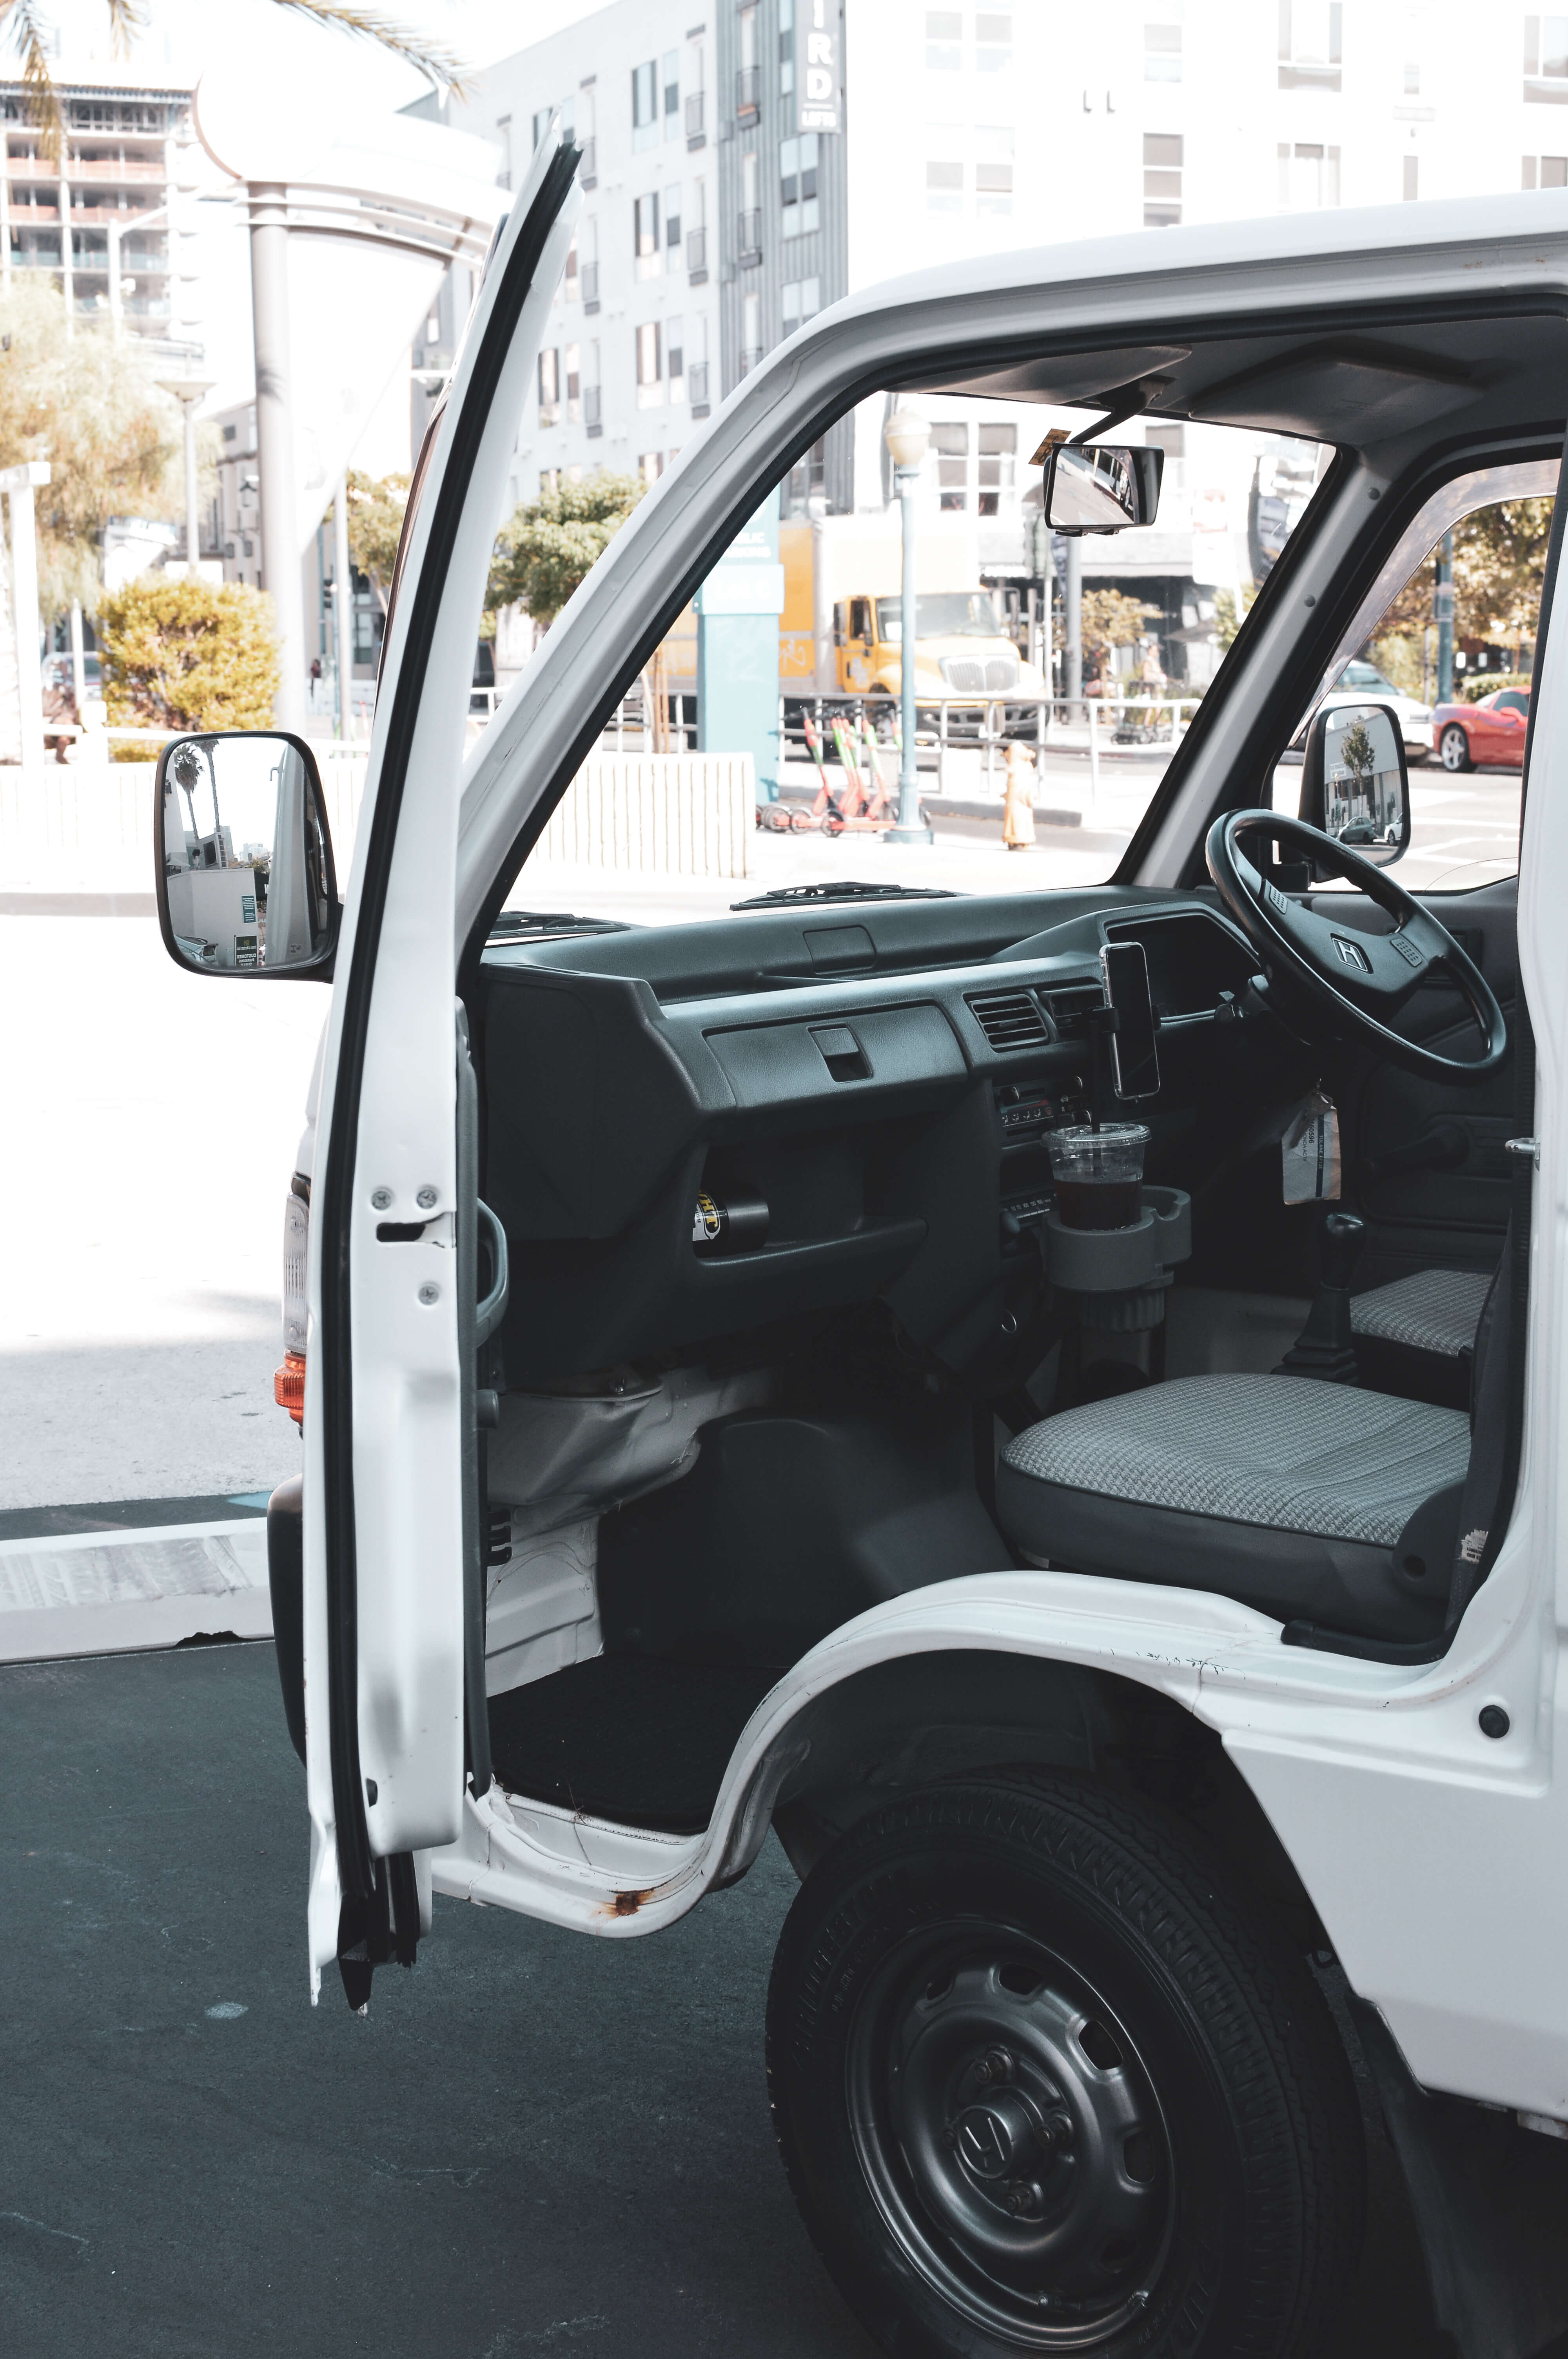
(921, 1719)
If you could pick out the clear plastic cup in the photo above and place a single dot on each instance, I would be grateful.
(1098, 1174)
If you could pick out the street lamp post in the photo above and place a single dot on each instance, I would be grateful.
(906, 434)
(189, 392)
(1042, 564)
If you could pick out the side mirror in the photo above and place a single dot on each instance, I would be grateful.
(1102, 487)
(1355, 782)
(244, 856)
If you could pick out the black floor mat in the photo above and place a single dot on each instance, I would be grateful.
(631, 1737)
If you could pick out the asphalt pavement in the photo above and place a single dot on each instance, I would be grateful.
(536, 2141)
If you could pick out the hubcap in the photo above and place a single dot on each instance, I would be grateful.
(1012, 2140)
(1454, 749)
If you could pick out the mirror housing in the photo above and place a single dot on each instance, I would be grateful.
(1093, 487)
(1355, 780)
(242, 856)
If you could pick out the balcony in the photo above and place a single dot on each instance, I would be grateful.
(587, 276)
(696, 256)
(696, 386)
(749, 234)
(748, 92)
(750, 358)
(593, 413)
(695, 135)
(587, 171)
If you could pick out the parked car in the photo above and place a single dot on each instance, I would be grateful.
(1357, 682)
(690, 1353)
(1494, 730)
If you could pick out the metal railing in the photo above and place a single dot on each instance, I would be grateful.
(694, 126)
(748, 89)
(749, 233)
(696, 385)
(696, 251)
(948, 736)
(592, 401)
(587, 171)
(588, 279)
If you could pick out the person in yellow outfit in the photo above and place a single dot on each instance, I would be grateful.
(1017, 810)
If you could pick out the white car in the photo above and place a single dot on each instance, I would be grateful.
(1361, 682)
(734, 1377)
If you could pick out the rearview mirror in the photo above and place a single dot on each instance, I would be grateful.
(244, 856)
(1102, 487)
(1355, 783)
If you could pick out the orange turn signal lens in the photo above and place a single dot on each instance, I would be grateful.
(288, 1386)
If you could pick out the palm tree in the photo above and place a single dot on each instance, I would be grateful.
(28, 29)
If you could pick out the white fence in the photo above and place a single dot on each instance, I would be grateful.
(88, 827)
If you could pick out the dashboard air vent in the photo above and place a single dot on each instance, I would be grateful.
(1068, 1007)
(1010, 1020)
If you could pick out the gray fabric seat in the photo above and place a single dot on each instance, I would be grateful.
(1311, 1501)
(1417, 1335)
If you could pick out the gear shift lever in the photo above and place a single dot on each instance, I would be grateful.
(1325, 1348)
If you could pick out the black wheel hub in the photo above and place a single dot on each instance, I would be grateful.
(1013, 2141)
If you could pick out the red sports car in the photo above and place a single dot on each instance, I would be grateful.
(1492, 730)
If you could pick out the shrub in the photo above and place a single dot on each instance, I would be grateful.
(180, 655)
(554, 543)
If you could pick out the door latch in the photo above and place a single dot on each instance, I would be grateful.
(1522, 1147)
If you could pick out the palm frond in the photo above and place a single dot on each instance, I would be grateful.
(441, 66)
(25, 29)
(126, 19)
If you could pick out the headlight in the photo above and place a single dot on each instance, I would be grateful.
(288, 1384)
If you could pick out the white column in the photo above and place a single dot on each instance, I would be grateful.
(274, 442)
(19, 483)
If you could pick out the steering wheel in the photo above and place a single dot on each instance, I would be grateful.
(1363, 979)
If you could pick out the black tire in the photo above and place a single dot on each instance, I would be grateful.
(1043, 2083)
(1454, 748)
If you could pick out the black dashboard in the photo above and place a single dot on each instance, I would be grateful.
(693, 1131)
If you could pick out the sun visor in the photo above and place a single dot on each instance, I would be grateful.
(1069, 378)
(1338, 393)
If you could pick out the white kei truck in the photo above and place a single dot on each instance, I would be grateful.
(712, 1422)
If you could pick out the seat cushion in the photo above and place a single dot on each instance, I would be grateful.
(1296, 1496)
(1435, 1311)
(1416, 1336)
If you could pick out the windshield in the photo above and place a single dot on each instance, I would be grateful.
(760, 747)
(964, 615)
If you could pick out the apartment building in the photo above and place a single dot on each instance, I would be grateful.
(111, 222)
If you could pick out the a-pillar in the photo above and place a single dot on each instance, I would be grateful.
(274, 442)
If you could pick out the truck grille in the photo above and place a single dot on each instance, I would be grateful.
(980, 675)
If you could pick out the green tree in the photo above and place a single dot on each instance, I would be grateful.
(89, 407)
(554, 542)
(1500, 572)
(1230, 608)
(180, 655)
(377, 505)
(1111, 619)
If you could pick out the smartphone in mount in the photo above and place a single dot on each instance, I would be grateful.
(1135, 1061)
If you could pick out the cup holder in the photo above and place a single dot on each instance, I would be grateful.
(1119, 1261)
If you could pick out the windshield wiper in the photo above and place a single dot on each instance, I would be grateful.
(782, 895)
(535, 925)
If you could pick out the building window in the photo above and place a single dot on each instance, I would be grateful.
(1311, 44)
(998, 455)
(748, 89)
(1165, 156)
(1309, 177)
(571, 282)
(672, 94)
(651, 465)
(588, 169)
(593, 405)
(574, 384)
(993, 44)
(993, 172)
(549, 387)
(1546, 58)
(1412, 179)
(697, 235)
(944, 35)
(541, 123)
(1173, 441)
(675, 357)
(650, 385)
(750, 332)
(588, 261)
(645, 104)
(944, 188)
(696, 367)
(672, 212)
(748, 229)
(696, 123)
(504, 134)
(1545, 172)
(1162, 42)
(786, 48)
(549, 483)
(797, 183)
(950, 442)
(646, 234)
(802, 301)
